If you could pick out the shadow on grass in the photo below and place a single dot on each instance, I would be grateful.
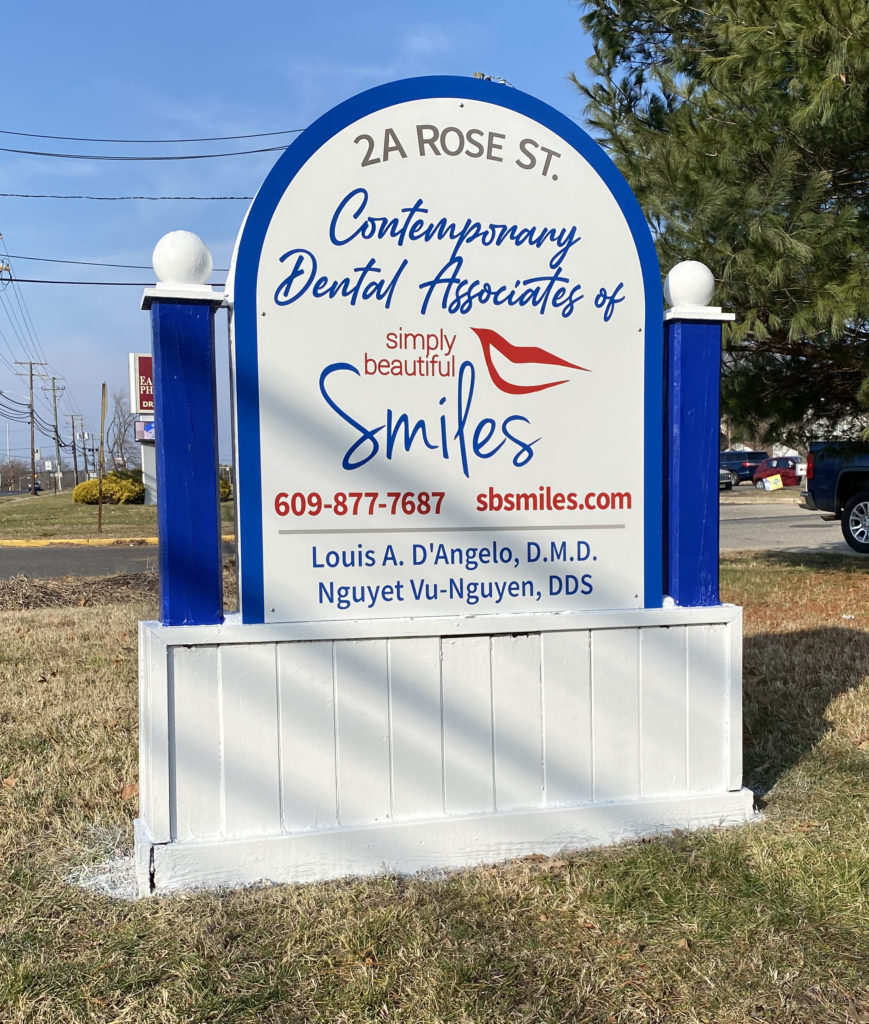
(789, 681)
(790, 677)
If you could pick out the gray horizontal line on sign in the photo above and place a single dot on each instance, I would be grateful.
(466, 529)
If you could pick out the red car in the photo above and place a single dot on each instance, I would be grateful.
(791, 469)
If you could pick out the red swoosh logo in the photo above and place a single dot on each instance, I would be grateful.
(518, 354)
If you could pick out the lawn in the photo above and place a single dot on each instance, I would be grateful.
(763, 923)
(56, 516)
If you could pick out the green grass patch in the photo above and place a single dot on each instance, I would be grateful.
(764, 923)
(56, 516)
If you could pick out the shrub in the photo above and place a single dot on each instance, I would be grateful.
(85, 493)
(117, 490)
(128, 474)
(225, 489)
(124, 492)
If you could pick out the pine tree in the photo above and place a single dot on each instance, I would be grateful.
(743, 128)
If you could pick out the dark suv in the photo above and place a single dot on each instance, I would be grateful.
(741, 465)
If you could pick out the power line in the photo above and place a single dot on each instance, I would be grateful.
(115, 199)
(26, 320)
(166, 142)
(105, 156)
(213, 138)
(14, 322)
(25, 312)
(21, 414)
(84, 262)
(3, 358)
(101, 284)
(5, 396)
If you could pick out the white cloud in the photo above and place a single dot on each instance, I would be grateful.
(426, 41)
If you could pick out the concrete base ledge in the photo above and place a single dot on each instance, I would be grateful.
(409, 847)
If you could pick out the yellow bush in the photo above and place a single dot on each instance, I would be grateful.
(124, 491)
(86, 492)
(116, 491)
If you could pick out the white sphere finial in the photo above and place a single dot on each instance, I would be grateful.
(689, 283)
(182, 258)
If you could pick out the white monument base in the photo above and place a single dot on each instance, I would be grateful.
(290, 753)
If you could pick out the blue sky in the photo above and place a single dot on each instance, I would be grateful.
(180, 71)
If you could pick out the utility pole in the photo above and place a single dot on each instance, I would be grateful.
(58, 479)
(71, 418)
(102, 460)
(84, 447)
(29, 363)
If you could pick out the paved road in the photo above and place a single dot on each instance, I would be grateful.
(76, 561)
(761, 526)
(80, 561)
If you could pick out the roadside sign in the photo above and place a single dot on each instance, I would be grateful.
(141, 384)
(448, 346)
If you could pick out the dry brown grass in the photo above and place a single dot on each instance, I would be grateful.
(806, 656)
(766, 923)
(22, 592)
(55, 517)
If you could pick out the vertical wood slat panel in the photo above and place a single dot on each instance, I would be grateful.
(197, 802)
(431, 725)
(664, 767)
(307, 736)
(466, 675)
(154, 752)
(362, 716)
(567, 717)
(734, 706)
(251, 764)
(517, 717)
(417, 753)
(616, 713)
(708, 753)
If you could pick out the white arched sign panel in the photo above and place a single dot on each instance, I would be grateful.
(448, 367)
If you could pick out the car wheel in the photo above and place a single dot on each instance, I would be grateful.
(855, 522)
(759, 485)
(734, 478)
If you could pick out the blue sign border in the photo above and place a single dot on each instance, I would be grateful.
(248, 469)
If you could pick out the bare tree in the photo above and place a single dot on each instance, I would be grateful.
(13, 473)
(120, 442)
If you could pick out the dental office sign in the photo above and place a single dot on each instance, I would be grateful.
(447, 340)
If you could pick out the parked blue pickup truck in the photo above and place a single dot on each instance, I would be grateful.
(837, 485)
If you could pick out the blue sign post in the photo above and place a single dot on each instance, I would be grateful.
(185, 415)
(692, 361)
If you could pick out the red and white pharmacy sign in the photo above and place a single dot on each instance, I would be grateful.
(141, 384)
